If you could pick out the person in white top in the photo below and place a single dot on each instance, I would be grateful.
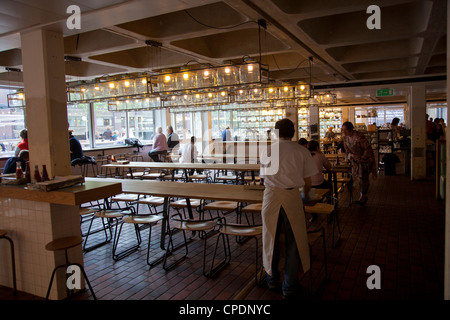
(317, 180)
(189, 152)
(288, 168)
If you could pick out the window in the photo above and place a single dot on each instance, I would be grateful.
(141, 125)
(12, 121)
(110, 126)
(78, 117)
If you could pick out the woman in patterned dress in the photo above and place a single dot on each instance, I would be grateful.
(360, 154)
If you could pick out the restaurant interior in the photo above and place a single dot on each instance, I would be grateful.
(137, 226)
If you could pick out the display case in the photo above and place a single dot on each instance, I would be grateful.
(303, 119)
(330, 117)
(253, 124)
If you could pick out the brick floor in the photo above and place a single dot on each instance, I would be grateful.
(400, 229)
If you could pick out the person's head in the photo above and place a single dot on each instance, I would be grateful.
(24, 155)
(23, 134)
(303, 142)
(192, 139)
(436, 120)
(169, 129)
(159, 130)
(330, 129)
(313, 146)
(427, 116)
(227, 128)
(285, 128)
(70, 133)
(395, 121)
(347, 128)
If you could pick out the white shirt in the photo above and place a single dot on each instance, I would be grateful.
(289, 162)
(189, 153)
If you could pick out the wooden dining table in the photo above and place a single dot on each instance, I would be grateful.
(173, 166)
(204, 191)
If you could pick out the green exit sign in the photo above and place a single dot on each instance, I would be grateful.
(385, 92)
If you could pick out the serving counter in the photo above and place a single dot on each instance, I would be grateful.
(33, 218)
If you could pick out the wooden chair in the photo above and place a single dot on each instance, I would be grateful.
(331, 212)
(113, 219)
(3, 235)
(238, 230)
(200, 226)
(182, 205)
(136, 220)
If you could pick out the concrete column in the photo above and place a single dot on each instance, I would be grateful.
(417, 105)
(314, 128)
(45, 94)
(447, 180)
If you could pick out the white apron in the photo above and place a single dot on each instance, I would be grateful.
(291, 201)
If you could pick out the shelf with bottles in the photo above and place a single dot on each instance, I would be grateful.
(330, 117)
(384, 140)
(303, 119)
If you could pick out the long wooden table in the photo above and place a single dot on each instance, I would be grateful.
(206, 191)
(185, 167)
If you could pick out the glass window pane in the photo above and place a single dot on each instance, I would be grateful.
(110, 126)
(141, 125)
(12, 121)
(78, 116)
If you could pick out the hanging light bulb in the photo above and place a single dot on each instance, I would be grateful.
(167, 78)
(127, 83)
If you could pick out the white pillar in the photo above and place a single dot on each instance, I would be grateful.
(45, 94)
(417, 106)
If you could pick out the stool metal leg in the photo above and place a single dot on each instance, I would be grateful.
(13, 262)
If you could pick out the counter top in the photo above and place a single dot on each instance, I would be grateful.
(75, 195)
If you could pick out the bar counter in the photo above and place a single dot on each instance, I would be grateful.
(34, 218)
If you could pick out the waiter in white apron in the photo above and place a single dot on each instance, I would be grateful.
(285, 168)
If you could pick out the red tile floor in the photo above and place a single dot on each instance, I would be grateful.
(400, 229)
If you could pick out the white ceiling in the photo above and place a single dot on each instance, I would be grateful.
(348, 58)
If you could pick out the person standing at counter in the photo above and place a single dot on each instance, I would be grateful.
(283, 207)
(226, 134)
(159, 146)
(360, 154)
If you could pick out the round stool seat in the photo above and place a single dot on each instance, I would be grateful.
(63, 243)
(3, 233)
(222, 205)
(182, 203)
(192, 225)
(241, 230)
(142, 219)
(108, 214)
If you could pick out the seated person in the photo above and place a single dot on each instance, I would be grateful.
(11, 164)
(23, 145)
(76, 151)
(159, 146)
(321, 161)
(303, 142)
(172, 138)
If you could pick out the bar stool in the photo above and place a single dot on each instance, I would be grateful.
(13, 261)
(64, 244)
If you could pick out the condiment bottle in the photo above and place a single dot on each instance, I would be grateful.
(27, 172)
(19, 172)
(44, 173)
(37, 175)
